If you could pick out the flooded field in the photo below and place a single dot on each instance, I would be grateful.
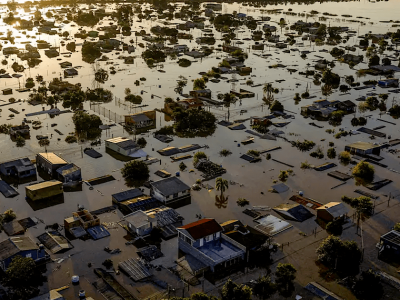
(251, 181)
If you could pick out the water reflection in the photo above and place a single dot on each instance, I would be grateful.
(221, 201)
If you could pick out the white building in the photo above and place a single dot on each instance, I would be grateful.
(125, 146)
(141, 223)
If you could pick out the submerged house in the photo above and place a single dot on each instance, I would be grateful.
(50, 162)
(20, 168)
(332, 211)
(44, 190)
(22, 130)
(69, 173)
(391, 82)
(141, 120)
(140, 223)
(389, 244)
(124, 146)
(247, 236)
(171, 191)
(204, 241)
(363, 148)
(20, 246)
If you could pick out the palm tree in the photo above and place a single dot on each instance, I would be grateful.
(269, 90)
(221, 185)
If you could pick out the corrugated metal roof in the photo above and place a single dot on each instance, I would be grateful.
(202, 228)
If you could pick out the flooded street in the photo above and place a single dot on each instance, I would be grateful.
(251, 181)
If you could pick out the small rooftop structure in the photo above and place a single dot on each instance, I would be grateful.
(294, 212)
(69, 173)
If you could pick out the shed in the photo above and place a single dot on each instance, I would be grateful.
(169, 151)
(44, 190)
(332, 211)
(294, 212)
(50, 162)
(126, 195)
(55, 242)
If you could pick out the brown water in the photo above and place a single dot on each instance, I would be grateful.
(255, 178)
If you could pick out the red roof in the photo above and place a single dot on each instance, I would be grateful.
(202, 228)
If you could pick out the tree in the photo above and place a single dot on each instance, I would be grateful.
(199, 84)
(233, 291)
(269, 90)
(364, 170)
(342, 256)
(20, 141)
(264, 288)
(194, 122)
(87, 125)
(135, 172)
(101, 76)
(221, 185)
(330, 78)
(276, 106)
(331, 153)
(397, 227)
(285, 275)
(23, 277)
(197, 156)
(283, 175)
(369, 286)
(373, 61)
(141, 142)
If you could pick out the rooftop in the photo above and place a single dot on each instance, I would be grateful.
(52, 158)
(392, 236)
(363, 145)
(137, 218)
(127, 195)
(170, 186)
(42, 185)
(202, 228)
(335, 209)
(220, 250)
(13, 245)
(123, 143)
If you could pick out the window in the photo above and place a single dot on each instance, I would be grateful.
(28, 255)
(208, 238)
(175, 195)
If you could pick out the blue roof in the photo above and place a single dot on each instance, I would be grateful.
(98, 232)
(127, 195)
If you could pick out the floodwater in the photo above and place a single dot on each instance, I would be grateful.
(253, 180)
